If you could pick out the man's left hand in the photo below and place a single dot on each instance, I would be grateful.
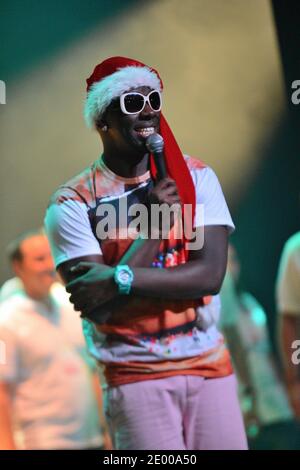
(93, 286)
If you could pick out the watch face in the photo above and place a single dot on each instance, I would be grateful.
(124, 277)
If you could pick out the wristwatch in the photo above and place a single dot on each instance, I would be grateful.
(123, 278)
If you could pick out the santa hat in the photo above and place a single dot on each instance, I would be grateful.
(113, 77)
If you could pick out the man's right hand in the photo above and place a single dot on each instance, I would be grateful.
(164, 192)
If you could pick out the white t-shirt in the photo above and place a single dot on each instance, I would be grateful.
(288, 280)
(43, 360)
(72, 220)
(68, 219)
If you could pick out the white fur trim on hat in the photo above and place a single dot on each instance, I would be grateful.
(103, 92)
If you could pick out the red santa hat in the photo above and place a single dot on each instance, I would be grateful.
(117, 75)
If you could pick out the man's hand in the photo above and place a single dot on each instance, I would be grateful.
(93, 286)
(164, 192)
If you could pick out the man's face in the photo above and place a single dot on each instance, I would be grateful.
(36, 268)
(128, 132)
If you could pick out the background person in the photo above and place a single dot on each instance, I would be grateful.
(49, 398)
(288, 305)
(244, 323)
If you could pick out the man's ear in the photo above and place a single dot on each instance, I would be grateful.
(101, 124)
(17, 267)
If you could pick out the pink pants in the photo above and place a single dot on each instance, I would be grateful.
(176, 413)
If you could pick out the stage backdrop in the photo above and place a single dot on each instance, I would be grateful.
(224, 99)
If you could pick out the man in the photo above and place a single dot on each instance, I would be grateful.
(244, 324)
(47, 387)
(168, 383)
(288, 304)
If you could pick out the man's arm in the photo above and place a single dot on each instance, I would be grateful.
(6, 433)
(231, 312)
(140, 254)
(202, 275)
(142, 250)
(91, 284)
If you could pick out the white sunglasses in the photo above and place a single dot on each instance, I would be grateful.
(134, 102)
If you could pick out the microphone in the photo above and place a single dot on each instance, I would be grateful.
(155, 145)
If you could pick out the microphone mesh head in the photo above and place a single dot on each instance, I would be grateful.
(155, 143)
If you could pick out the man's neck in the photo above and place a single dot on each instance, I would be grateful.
(43, 298)
(127, 167)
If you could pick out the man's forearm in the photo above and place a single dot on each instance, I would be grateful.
(186, 281)
(239, 354)
(141, 253)
(202, 275)
(94, 289)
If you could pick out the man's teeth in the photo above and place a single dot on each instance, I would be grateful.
(145, 131)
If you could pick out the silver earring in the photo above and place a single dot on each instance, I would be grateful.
(104, 128)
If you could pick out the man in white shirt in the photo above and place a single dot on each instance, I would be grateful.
(143, 287)
(47, 386)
